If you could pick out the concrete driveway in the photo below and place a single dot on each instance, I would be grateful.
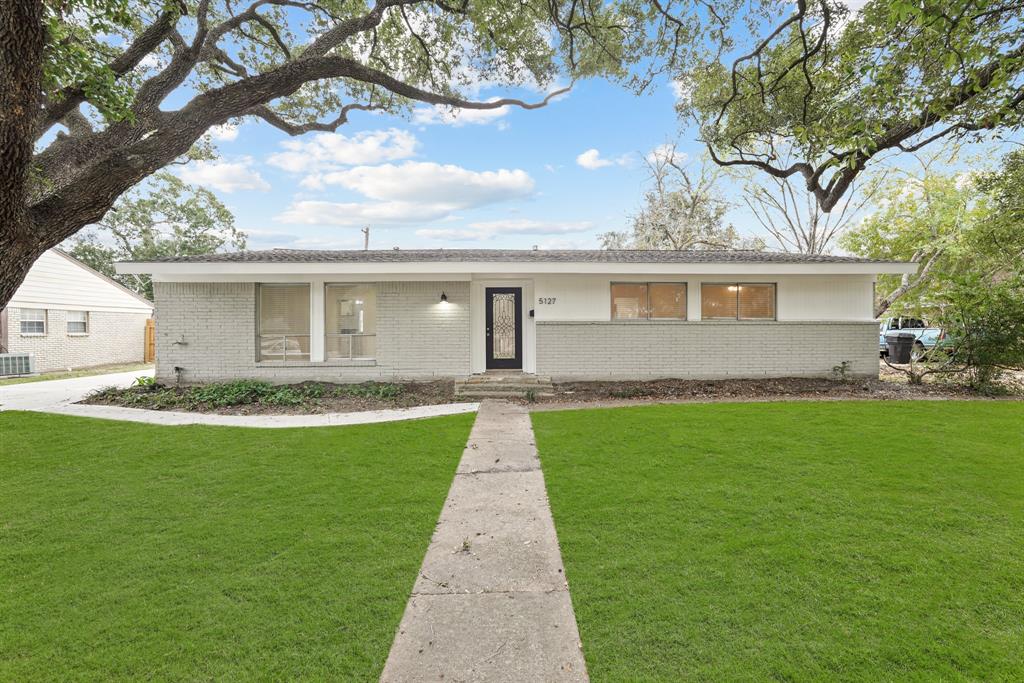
(61, 392)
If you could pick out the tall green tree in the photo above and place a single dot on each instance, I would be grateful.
(967, 226)
(97, 95)
(925, 220)
(163, 217)
(843, 89)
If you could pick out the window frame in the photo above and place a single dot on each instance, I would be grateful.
(68, 321)
(22, 321)
(737, 285)
(648, 317)
(259, 325)
(350, 357)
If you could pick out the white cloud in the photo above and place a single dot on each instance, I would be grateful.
(226, 176)
(411, 192)
(592, 160)
(224, 133)
(152, 61)
(682, 89)
(328, 151)
(449, 234)
(665, 152)
(311, 212)
(458, 117)
(486, 230)
(524, 226)
(429, 182)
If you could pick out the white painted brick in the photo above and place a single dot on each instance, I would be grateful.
(417, 338)
(113, 338)
(704, 349)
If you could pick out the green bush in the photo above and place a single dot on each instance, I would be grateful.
(984, 321)
(239, 392)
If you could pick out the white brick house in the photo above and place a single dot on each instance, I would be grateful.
(345, 316)
(69, 316)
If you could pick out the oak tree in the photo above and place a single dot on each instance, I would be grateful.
(97, 95)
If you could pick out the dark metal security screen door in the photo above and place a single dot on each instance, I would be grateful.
(504, 327)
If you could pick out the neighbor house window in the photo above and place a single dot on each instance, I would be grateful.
(350, 321)
(649, 301)
(737, 301)
(283, 322)
(33, 321)
(78, 322)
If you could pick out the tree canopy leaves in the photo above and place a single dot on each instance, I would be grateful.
(844, 87)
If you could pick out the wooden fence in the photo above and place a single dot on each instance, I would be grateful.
(149, 353)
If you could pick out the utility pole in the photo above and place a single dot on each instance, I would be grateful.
(366, 238)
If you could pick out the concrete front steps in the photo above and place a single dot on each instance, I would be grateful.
(504, 385)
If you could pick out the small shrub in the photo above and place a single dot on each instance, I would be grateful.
(239, 392)
(531, 396)
(841, 372)
(144, 381)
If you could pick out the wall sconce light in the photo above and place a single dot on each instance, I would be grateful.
(444, 298)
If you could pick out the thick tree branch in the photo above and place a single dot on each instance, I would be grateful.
(70, 98)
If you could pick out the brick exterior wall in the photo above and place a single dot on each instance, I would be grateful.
(417, 337)
(112, 338)
(704, 349)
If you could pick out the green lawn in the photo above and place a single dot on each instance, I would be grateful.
(793, 541)
(200, 553)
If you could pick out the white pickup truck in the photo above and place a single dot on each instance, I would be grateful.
(925, 337)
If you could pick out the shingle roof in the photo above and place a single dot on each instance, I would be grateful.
(510, 255)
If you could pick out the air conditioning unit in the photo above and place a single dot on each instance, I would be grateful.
(17, 364)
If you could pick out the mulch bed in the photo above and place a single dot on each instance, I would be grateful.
(891, 385)
(337, 398)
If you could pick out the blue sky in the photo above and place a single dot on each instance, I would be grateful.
(511, 178)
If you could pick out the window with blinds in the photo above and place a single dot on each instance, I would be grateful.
(33, 321)
(648, 301)
(350, 321)
(78, 322)
(737, 301)
(283, 322)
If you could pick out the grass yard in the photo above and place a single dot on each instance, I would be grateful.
(200, 553)
(793, 541)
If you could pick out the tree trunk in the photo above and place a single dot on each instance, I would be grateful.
(17, 258)
(22, 39)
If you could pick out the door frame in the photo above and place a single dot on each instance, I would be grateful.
(477, 318)
(490, 362)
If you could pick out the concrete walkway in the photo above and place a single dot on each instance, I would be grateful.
(491, 601)
(62, 392)
(61, 396)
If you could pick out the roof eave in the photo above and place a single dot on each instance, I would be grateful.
(214, 268)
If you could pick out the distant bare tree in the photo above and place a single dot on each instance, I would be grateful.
(683, 210)
(793, 216)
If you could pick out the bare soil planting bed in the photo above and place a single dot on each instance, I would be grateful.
(891, 385)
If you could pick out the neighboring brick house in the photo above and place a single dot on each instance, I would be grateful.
(69, 316)
(290, 315)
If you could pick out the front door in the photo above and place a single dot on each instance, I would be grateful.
(504, 328)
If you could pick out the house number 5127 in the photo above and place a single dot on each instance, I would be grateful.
(546, 300)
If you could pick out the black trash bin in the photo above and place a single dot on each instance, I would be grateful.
(900, 346)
